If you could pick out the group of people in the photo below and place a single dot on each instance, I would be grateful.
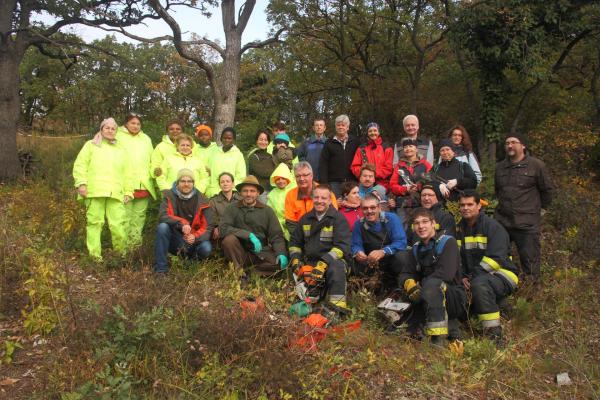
(333, 205)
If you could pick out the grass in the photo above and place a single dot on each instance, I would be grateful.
(80, 330)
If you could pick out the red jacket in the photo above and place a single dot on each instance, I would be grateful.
(413, 171)
(203, 221)
(378, 154)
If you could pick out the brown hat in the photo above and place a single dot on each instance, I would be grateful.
(250, 180)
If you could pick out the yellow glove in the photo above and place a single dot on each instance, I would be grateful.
(318, 272)
(413, 290)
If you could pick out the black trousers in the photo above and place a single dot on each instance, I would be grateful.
(528, 246)
(488, 290)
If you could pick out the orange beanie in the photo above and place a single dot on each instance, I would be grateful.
(203, 127)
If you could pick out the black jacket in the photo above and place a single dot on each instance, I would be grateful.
(454, 169)
(445, 223)
(523, 189)
(326, 240)
(336, 160)
(485, 248)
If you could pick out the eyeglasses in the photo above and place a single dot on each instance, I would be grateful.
(369, 207)
(185, 181)
(509, 142)
(303, 175)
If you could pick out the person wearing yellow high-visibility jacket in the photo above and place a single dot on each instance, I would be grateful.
(183, 158)
(165, 148)
(487, 268)
(101, 172)
(225, 158)
(206, 146)
(139, 150)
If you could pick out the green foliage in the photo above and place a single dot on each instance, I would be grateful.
(7, 354)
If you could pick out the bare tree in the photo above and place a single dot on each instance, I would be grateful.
(18, 32)
(224, 79)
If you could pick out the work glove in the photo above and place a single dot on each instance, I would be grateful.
(444, 190)
(282, 261)
(318, 272)
(413, 290)
(256, 243)
(296, 263)
(451, 184)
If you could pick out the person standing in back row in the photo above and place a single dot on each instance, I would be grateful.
(524, 187)
(337, 156)
(310, 150)
(411, 130)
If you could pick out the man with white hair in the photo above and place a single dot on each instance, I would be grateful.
(424, 144)
(337, 156)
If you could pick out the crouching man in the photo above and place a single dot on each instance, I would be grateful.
(433, 284)
(489, 272)
(321, 239)
(379, 243)
(185, 224)
(251, 232)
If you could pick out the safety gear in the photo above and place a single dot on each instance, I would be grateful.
(301, 309)
(139, 150)
(220, 161)
(438, 340)
(282, 260)
(318, 272)
(296, 263)
(173, 164)
(99, 208)
(256, 243)
(413, 290)
(307, 288)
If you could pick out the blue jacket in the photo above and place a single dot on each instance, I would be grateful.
(395, 239)
(310, 150)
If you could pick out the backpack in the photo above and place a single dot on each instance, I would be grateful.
(440, 241)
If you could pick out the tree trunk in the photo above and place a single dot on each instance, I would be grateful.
(10, 58)
(225, 91)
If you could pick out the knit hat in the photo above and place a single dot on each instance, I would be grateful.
(185, 172)
(372, 125)
(446, 143)
(282, 138)
(203, 127)
(430, 187)
(409, 142)
(250, 180)
(517, 136)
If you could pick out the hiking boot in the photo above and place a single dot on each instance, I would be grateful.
(495, 334)
(438, 340)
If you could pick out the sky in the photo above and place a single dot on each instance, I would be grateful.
(190, 21)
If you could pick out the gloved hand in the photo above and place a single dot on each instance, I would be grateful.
(444, 190)
(296, 263)
(413, 290)
(282, 260)
(256, 243)
(451, 184)
(318, 272)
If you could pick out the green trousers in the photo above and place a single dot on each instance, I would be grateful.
(99, 208)
(135, 214)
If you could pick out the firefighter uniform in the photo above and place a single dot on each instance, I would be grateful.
(325, 239)
(485, 253)
(437, 272)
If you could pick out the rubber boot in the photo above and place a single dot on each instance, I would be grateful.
(438, 340)
(495, 334)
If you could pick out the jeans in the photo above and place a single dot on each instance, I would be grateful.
(171, 241)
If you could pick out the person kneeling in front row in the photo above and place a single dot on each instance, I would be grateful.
(185, 224)
(433, 283)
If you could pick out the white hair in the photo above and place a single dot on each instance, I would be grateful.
(409, 116)
(343, 119)
(303, 165)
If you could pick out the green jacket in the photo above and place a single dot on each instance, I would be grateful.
(204, 152)
(176, 162)
(276, 197)
(219, 203)
(231, 161)
(240, 220)
(162, 150)
(104, 169)
(139, 150)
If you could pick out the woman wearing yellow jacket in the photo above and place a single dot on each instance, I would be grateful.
(101, 173)
(282, 182)
(139, 150)
(165, 148)
(226, 158)
(183, 158)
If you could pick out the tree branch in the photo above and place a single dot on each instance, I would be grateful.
(244, 15)
(262, 43)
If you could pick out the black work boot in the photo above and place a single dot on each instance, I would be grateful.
(438, 340)
(495, 334)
